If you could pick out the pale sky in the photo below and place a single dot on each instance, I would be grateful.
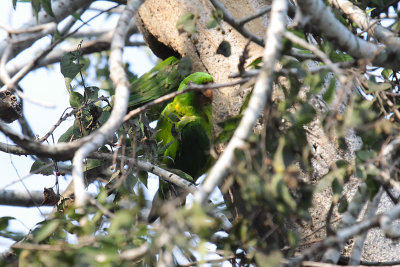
(46, 85)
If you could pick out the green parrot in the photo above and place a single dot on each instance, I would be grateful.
(160, 80)
(184, 132)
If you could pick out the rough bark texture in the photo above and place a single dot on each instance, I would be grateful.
(10, 108)
(157, 20)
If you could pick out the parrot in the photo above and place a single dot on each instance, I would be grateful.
(160, 80)
(184, 135)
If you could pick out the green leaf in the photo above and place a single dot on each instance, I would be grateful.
(143, 175)
(187, 22)
(183, 175)
(185, 66)
(104, 115)
(377, 87)
(92, 163)
(365, 155)
(386, 73)
(4, 221)
(57, 36)
(224, 49)
(76, 99)
(339, 56)
(343, 204)
(255, 64)
(71, 134)
(228, 128)
(46, 230)
(47, 7)
(271, 260)
(245, 102)
(305, 115)
(330, 91)
(368, 11)
(373, 186)
(92, 92)
(69, 68)
(39, 164)
(211, 23)
(35, 8)
(336, 187)
(215, 19)
(14, 4)
(122, 219)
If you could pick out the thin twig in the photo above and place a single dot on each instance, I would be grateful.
(189, 88)
(148, 167)
(37, 28)
(263, 11)
(134, 253)
(297, 40)
(198, 263)
(236, 23)
(26, 69)
(65, 116)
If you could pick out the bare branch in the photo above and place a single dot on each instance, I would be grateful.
(383, 220)
(359, 240)
(148, 167)
(348, 219)
(135, 253)
(297, 40)
(315, 14)
(263, 11)
(61, 9)
(21, 198)
(381, 34)
(261, 95)
(237, 24)
(118, 76)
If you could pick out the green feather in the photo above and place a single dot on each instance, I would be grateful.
(160, 80)
(184, 133)
(185, 128)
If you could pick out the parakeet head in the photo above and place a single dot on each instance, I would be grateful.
(205, 97)
(197, 78)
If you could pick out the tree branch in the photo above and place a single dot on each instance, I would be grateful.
(21, 198)
(88, 47)
(148, 167)
(344, 234)
(237, 24)
(316, 15)
(348, 219)
(189, 88)
(261, 95)
(118, 76)
(61, 9)
(381, 34)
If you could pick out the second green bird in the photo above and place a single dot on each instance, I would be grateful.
(184, 134)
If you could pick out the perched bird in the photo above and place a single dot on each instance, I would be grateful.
(160, 80)
(184, 134)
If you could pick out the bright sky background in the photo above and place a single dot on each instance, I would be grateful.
(46, 85)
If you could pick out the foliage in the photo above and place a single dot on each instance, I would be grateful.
(272, 178)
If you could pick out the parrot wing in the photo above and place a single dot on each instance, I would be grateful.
(160, 80)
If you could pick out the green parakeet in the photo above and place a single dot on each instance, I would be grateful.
(184, 131)
(160, 80)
